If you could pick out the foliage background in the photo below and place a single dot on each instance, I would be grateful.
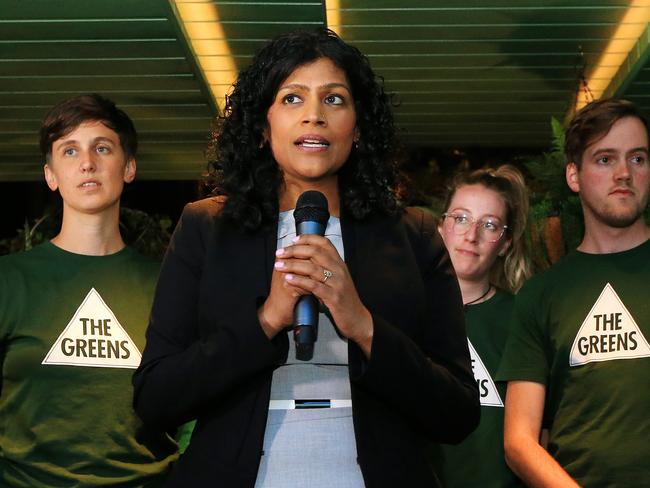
(149, 234)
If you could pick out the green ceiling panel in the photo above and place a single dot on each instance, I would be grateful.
(462, 17)
(504, 33)
(127, 50)
(479, 64)
(476, 72)
(482, 5)
(89, 11)
(101, 83)
(505, 61)
(104, 31)
(461, 47)
(63, 66)
(22, 51)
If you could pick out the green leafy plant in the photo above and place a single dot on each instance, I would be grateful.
(550, 196)
(149, 234)
(548, 184)
(31, 234)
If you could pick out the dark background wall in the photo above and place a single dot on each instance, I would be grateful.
(30, 200)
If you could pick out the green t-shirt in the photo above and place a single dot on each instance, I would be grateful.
(72, 328)
(479, 461)
(582, 328)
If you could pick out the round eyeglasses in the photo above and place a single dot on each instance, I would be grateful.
(488, 229)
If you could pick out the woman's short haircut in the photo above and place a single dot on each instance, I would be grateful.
(69, 114)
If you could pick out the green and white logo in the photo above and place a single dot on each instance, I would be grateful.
(94, 338)
(487, 390)
(609, 332)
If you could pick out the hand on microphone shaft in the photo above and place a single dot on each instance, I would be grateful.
(302, 266)
(313, 267)
(277, 311)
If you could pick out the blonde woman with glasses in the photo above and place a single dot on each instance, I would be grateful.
(483, 229)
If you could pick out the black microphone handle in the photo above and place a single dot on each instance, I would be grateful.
(305, 332)
(305, 314)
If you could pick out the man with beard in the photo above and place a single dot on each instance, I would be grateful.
(578, 360)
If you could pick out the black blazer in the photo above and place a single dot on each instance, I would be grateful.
(207, 357)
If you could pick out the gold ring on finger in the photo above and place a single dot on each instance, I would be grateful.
(327, 274)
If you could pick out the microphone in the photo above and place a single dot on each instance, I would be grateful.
(311, 216)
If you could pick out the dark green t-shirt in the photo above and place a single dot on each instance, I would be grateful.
(479, 461)
(71, 331)
(582, 328)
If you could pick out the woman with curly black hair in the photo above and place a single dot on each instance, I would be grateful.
(390, 371)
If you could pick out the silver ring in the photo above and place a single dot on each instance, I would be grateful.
(326, 274)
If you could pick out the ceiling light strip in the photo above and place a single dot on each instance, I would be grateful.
(201, 21)
(333, 16)
(627, 35)
(634, 62)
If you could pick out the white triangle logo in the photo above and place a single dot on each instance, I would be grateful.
(94, 338)
(608, 332)
(488, 393)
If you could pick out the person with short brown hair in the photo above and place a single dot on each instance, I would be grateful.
(73, 312)
(577, 359)
(594, 121)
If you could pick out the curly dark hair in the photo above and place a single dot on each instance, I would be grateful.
(242, 166)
